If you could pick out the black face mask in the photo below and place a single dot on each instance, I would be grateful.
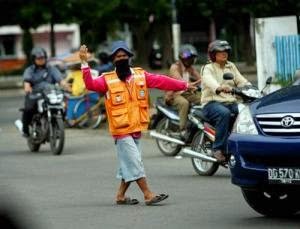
(122, 69)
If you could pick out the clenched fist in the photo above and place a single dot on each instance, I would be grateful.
(83, 53)
(224, 88)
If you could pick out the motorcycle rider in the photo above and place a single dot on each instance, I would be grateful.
(183, 69)
(219, 103)
(105, 64)
(36, 77)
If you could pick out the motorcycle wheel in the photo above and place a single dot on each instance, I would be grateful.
(33, 147)
(272, 203)
(79, 114)
(202, 144)
(57, 140)
(167, 148)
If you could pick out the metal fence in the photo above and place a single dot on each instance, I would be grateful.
(287, 56)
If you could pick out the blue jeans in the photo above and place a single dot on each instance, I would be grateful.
(220, 116)
(131, 166)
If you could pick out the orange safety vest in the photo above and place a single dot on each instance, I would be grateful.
(126, 103)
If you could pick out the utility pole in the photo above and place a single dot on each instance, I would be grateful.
(52, 32)
(175, 31)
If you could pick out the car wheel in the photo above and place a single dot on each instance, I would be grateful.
(272, 203)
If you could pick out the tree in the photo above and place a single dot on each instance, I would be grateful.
(102, 17)
(232, 19)
(38, 12)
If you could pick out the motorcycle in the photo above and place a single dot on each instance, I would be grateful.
(200, 151)
(167, 133)
(47, 124)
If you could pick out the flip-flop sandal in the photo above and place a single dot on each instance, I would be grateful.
(156, 199)
(127, 201)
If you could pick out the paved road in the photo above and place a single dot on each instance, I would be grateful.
(76, 189)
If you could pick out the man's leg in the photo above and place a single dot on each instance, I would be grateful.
(220, 115)
(182, 106)
(26, 118)
(142, 183)
(131, 166)
(29, 108)
(194, 98)
(122, 190)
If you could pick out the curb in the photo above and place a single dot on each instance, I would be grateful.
(11, 82)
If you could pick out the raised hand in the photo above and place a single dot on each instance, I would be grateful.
(83, 53)
(191, 86)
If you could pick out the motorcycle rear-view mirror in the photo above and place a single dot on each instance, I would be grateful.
(269, 80)
(228, 76)
(268, 83)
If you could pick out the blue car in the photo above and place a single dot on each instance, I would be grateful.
(264, 150)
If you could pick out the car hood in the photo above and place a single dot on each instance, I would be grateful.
(285, 100)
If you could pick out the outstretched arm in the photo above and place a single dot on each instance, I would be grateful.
(164, 82)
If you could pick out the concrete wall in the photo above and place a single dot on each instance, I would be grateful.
(265, 31)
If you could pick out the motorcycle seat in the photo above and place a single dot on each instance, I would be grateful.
(161, 102)
(199, 114)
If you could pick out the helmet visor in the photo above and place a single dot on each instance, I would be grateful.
(39, 55)
(226, 48)
(187, 55)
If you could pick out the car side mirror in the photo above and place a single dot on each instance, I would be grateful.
(228, 76)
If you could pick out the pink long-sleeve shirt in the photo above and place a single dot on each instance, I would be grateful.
(159, 81)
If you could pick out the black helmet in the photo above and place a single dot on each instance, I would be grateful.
(187, 51)
(38, 52)
(218, 46)
(103, 57)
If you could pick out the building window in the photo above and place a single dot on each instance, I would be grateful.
(7, 46)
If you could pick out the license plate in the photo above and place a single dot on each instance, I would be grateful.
(284, 175)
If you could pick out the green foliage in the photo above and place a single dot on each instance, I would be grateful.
(97, 18)
(283, 81)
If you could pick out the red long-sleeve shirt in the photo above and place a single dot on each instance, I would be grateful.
(159, 81)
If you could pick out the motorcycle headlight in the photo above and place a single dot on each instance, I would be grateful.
(244, 123)
(60, 98)
(253, 93)
(55, 98)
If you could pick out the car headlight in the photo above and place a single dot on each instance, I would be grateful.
(244, 123)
